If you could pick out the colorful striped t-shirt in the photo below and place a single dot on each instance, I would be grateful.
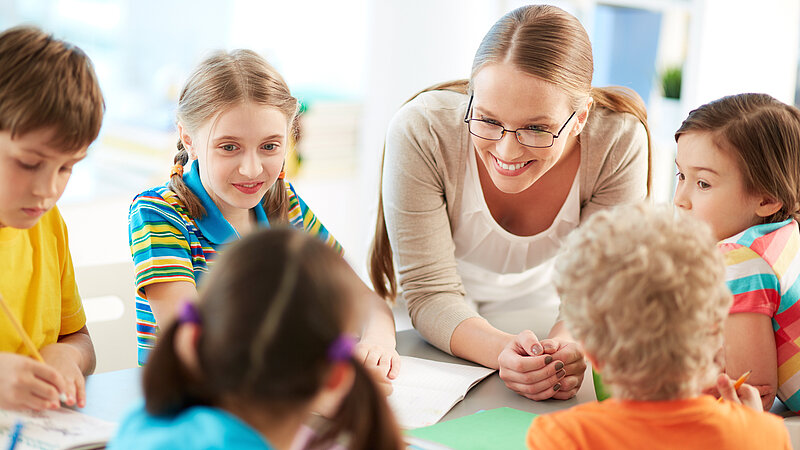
(167, 244)
(762, 268)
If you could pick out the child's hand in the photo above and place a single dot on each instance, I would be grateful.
(28, 384)
(379, 359)
(382, 382)
(541, 370)
(64, 359)
(746, 395)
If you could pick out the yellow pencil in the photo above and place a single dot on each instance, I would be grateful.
(739, 382)
(25, 338)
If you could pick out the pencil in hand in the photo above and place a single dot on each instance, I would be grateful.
(739, 382)
(26, 340)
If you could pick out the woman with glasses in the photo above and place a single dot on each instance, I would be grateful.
(482, 179)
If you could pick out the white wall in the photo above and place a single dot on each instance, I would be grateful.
(740, 46)
(411, 45)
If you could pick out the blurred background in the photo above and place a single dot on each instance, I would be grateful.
(352, 63)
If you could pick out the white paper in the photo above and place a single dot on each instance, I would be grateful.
(426, 390)
(54, 429)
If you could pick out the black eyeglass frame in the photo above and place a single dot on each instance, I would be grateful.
(468, 119)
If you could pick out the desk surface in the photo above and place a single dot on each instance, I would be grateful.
(110, 394)
(490, 392)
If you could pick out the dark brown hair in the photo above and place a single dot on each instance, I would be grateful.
(543, 41)
(221, 81)
(763, 135)
(270, 310)
(48, 83)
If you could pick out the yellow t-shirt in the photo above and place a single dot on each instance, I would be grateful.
(37, 281)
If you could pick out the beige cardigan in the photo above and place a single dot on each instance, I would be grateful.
(427, 146)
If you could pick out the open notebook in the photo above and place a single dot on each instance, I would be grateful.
(426, 390)
(56, 429)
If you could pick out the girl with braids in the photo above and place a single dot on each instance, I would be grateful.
(482, 179)
(235, 115)
(739, 171)
(291, 306)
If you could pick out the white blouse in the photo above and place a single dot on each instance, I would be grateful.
(503, 271)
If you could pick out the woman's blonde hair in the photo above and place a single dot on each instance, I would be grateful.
(221, 81)
(644, 291)
(543, 41)
(763, 135)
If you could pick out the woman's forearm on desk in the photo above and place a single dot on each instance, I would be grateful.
(476, 340)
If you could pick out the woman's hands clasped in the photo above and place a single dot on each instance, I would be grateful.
(539, 370)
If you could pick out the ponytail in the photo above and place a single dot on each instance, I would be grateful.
(176, 185)
(624, 100)
(168, 386)
(381, 265)
(276, 203)
(364, 416)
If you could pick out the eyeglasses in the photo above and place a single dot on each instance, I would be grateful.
(528, 137)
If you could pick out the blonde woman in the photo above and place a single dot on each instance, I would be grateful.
(481, 181)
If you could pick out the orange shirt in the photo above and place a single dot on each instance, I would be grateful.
(698, 423)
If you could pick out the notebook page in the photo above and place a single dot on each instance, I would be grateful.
(426, 390)
(54, 429)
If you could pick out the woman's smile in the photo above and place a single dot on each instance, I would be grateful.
(510, 169)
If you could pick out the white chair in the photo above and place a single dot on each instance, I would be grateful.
(107, 292)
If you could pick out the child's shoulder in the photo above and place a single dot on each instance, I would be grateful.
(757, 423)
(768, 241)
(195, 427)
(160, 199)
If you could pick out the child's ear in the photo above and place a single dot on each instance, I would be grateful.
(768, 206)
(186, 140)
(596, 365)
(340, 377)
(186, 345)
(336, 387)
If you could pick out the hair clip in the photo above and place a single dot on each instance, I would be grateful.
(177, 169)
(282, 175)
(341, 349)
(189, 313)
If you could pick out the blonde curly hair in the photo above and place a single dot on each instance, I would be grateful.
(644, 291)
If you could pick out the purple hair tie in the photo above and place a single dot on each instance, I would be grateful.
(341, 349)
(189, 313)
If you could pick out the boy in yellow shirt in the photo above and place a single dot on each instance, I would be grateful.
(645, 294)
(51, 109)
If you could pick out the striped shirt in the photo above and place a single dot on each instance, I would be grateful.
(167, 244)
(762, 268)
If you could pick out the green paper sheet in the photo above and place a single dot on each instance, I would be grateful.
(495, 428)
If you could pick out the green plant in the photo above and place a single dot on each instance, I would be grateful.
(671, 82)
